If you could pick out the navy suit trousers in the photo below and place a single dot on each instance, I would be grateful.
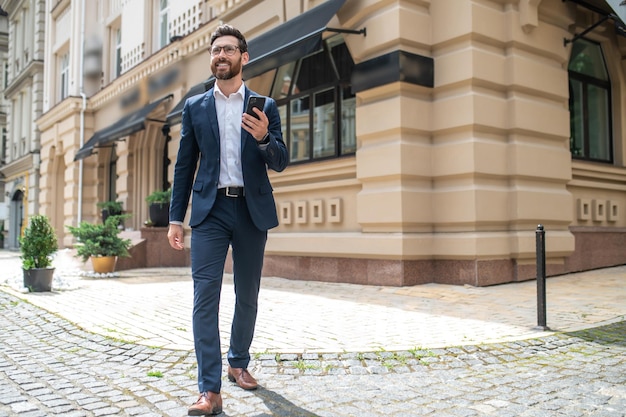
(228, 224)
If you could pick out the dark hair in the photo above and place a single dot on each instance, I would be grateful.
(228, 30)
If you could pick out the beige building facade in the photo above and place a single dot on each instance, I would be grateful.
(4, 108)
(23, 94)
(428, 138)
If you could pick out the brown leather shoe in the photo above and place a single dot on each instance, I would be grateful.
(242, 377)
(208, 404)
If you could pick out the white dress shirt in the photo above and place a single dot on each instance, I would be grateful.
(229, 111)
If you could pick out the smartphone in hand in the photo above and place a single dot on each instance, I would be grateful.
(255, 101)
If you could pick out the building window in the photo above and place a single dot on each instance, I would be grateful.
(18, 39)
(117, 70)
(589, 103)
(316, 104)
(6, 75)
(64, 71)
(163, 23)
(5, 155)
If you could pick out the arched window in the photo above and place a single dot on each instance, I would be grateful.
(589, 103)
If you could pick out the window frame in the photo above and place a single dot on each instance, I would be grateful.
(6, 74)
(163, 17)
(64, 75)
(5, 157)
(117, 51)
(337, 86)
(587, 81)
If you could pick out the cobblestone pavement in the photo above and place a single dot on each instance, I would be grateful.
(50, 367)
(122, 347)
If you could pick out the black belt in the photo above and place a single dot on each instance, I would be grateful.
(232, 192)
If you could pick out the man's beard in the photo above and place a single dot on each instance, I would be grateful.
(235, 69)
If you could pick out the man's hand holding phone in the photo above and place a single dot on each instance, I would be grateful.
(254, 120)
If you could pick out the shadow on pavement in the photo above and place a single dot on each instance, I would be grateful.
(280, 406)
(611, 334)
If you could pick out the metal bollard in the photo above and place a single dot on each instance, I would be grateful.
(540, 239)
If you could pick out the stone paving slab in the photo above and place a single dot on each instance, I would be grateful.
(152, 307)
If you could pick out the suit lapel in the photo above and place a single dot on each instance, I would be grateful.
(243, 132)
(209, 108)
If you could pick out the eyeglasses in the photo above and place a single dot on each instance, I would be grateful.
(229, 50)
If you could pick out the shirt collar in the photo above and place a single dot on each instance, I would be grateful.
(241, 92)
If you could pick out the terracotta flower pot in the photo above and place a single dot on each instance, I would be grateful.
(103, 264)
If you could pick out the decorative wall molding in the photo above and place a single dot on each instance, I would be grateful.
(529, 14)
(612, 211)
(318, 211)
(583, 209)
(598, 211)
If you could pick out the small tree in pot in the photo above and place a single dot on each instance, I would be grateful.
(37, 246)
(97, 241)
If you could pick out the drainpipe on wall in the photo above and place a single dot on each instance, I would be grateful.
(82, 110)
(79, 215)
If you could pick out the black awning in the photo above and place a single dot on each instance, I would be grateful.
(286, 43)
(290, 41)
(177, 112)
(127, 125)
(619, 7)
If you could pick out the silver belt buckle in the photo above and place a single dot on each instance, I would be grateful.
(229, 194)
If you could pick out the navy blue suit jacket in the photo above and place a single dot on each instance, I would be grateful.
(200, 140)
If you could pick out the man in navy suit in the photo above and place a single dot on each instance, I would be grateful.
(232, 204)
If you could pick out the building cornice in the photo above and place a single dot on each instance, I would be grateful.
(224, 8)
(61, 111)
(598, 176)
(17, 168)
(33, 67)
(174, 54)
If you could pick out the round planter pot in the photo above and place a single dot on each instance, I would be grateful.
(103, 264)
(38, 279)
(106, 213)
(160, 214)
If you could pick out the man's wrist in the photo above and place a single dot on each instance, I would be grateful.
(265, 140)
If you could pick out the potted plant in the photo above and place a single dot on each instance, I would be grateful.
(101, 243)
(37, 246)
(110, 208)
(159, 201)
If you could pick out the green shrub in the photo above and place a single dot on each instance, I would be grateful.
(160, 196)
(100, 239)
(38, 243)
(113, 207)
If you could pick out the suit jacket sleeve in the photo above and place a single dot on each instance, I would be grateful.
(185, 168)
(275, 153)
(256, 160)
